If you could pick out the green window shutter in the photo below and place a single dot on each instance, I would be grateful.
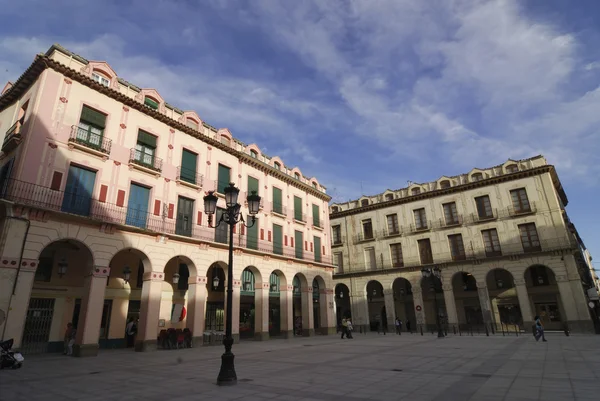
(317, 241)
(316, 219)
(224, 177)
(146, 139)
(188, 166)
(298, 243)
(247, 283)
(297, 208)
(151, 103)
(93, 117)
(316, 292)
(252, 185)
(277, 239)
(277, 204)
(274, 285)
(252, 237)
(297, 288)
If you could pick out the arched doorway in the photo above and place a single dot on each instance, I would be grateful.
(250, 317)
(466, 298)
(376, 304)
(342, 304)
(300, 311)
(544, 296)
(320, 317)
(126, 282)
(404, 302)
(175, 307)
(434, 304)
(504, 300)
(276, 303)
(56, 299)
(215, 299)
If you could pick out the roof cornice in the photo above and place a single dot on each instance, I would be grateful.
(42, 62)
(459, 188)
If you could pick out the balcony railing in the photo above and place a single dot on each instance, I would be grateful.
(316, 222)
(515, 212)
(145, 160)
(365, 236)
(189, 176)
(278, 208)
(481, 217)
(12, 138)
(393, 232)
(299, 216)
(337, 241)
(32, 195)
(480, 253)
(456, 221)
(90, 140)
(413, 228)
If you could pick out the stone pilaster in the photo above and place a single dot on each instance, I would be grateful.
(88, 330)
(149, 311)
(196, 306)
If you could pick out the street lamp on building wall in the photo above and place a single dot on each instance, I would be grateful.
(231, 216)
(435, 275)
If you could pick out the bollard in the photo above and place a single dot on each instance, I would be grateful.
(421, 329)
(487, 333)
(502, 328)
(566, 330)
(454, 329)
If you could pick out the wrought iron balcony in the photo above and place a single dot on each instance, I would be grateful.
(89, 140)
(317, 223)
(365, 236)
(13, 137)
(492, 214)
(393, 232)
(519, 211)
(299, 216)
(187, 176)
(455, 221)
(413, 228)
(144, 160)
(337, 241)
(278, 208)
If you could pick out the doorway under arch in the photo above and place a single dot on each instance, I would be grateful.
(404, 302)
(376, 305)
(506, 311)
(544, 296)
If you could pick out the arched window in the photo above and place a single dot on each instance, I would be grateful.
(415, 191)
(225, 140)
(277, 166)
(153, 104)
(512, 168)
(314, 184)
(389, 197)
(192, 124)
(101, 78)
(297, 176)
(334, 209)
(477, 177)
(445, 184)
(364, 202)
(253, 154)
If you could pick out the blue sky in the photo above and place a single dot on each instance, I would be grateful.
(364, 95)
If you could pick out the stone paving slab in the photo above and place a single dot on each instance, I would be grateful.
(368, 367)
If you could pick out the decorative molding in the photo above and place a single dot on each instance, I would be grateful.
(64, 99)
(154, 276)
(167, 179)
(123, 126)
(171, 130)
(197, 280)
(519, 281)
(99, 271)
(125, 109)
(170, 146)
(10, 263)
(68, 81)
(52, 145)
(203, 246)
(237, 283)
(238, 252)
(117, 163)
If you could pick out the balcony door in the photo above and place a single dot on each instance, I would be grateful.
(78, 192)
(185, 212)
(137, 207)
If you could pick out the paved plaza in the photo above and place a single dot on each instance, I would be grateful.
(369, 367)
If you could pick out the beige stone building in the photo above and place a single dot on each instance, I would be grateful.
(102, 220)
(500, 236)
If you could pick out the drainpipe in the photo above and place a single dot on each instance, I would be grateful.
(28, 223)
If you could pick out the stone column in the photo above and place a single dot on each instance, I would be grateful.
(390, 310)
(450, 305)
(149, 311)
(419, 307)
(15, 305)
(327, 310)
(196, 308)
(308, 320)
(575, 306)
(486, 308)
(261, 311)
(286, 305)
(92, 305)
(524, 303)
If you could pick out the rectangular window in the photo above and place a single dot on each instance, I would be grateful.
(153, 104)
(491, 242)
(189, 161)
(298, 209)
(316, 216)
(44, 269)
(223, 179)
(78, 191)
(145, 148)
(396, 252)
(392, 224)
(253, 185)
(425, 251)
(252, 238)
(420, 219)
(338, 260)
(221, 230)
(100, 79)
(91, 126)
(370, 259)
(277, 239)
(450, 213)
(185, 216)
(337, 235)
(484, 207)
(457, 248)
(520, 201)
(367, 227)
(529, 237)
(192, 124)
(298, 241)
(277, 201)
(137, 207)
(317, 241)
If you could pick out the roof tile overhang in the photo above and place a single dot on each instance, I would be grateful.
(42, 62)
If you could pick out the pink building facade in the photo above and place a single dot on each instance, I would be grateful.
(103, 221)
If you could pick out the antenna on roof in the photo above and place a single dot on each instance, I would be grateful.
(409, 182)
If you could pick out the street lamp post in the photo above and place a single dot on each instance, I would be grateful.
(231, 216)
(435, 275)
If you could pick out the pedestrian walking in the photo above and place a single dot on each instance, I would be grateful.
(408, 326)
(69, 339)
(398, 326)
(344, 328)
(349, 328)
(130, 331)
(539, 327)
